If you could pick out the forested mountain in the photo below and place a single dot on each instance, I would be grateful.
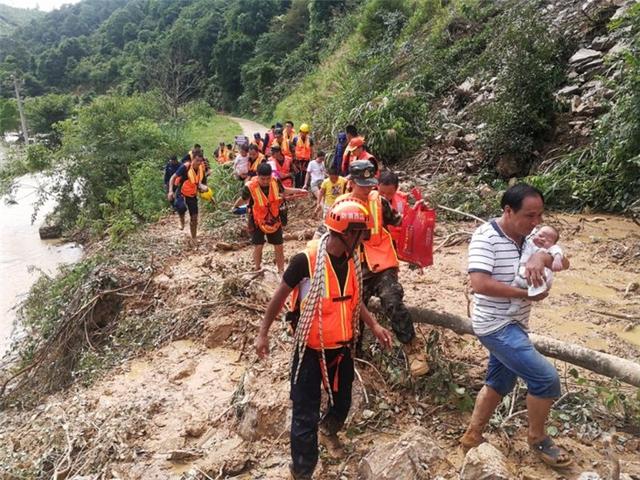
(485, 90)
(11, 18)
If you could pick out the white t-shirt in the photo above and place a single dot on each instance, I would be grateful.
(241, 165)
(316, 171)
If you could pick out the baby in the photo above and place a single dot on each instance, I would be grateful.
(544, 240)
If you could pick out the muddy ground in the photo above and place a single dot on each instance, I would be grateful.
(204, 407)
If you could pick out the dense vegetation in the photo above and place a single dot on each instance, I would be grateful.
(12, 18)
(387, 66)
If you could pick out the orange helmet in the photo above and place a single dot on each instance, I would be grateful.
(348, 214)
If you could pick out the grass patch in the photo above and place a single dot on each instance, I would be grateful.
(209, 132)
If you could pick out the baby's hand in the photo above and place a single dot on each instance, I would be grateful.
(557, 266)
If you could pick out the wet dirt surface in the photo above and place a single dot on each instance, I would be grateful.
(207, 405)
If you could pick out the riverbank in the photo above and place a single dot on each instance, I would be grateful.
(187, 395)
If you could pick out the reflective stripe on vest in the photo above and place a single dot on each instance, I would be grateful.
(190, 185)
(303, 148)
(254, 166)
(337, 305)
(265, 209)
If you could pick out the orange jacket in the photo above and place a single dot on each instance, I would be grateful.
(400, 203)
(282, 170)
(285, 146)
(379, 252)
(190, 185)
(253, 168)
(336, 307)
(265, 209)
(259, 144)
(303, 148)
(223, 155)
(348, 157)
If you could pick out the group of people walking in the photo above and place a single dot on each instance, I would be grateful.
(327, 286)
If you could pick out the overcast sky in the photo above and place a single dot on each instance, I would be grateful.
(45, 5)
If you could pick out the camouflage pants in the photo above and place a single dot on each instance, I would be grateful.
(385, 285)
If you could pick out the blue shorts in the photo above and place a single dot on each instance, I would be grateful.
(513, 355)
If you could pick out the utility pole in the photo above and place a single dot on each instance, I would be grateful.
(23, 119)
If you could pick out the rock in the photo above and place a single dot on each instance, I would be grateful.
(619, 48)
(568, 90)
(414, 456)
(584, 54)
(485, 462)
(589, 476)
(602, 43)
(264, 413)
(470, 138)
(508, 166)
(185, 370)
(595, 65)
(217, 330)
(48, 232)
(195, 429)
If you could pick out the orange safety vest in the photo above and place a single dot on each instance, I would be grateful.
(260, 144)
(336, 307)
(270, 138)
(400, 203)
(379, 252)
(282, 170)
(223, 155)
(190, 185)
(254, 166)
(285, 147)
(348, 157)
(265, 209)
(288, 136)
(303, 148)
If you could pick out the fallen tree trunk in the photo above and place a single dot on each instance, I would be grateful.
(602, 363)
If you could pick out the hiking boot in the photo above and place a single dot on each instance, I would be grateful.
(298, 476)
(416, 357)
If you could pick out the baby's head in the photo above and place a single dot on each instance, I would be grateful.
(546, 237)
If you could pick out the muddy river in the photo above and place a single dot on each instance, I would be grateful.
(23, 256)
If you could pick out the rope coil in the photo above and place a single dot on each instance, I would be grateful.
(313, 303)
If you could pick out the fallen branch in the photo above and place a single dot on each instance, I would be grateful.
(602, 363)
(621, 316)
(460, 212)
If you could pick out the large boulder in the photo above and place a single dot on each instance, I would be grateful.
(414, 456)
(485, 462)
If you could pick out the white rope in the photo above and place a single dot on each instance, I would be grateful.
(313, 304)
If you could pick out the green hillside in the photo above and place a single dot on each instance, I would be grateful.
(12, 18)
(466, 87)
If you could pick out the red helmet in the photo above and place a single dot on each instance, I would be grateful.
(348, 214)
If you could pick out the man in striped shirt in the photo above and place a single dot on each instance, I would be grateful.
(494, 254)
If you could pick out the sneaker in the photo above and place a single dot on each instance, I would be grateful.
(416, 357)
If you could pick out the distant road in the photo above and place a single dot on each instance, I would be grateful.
(249, 127)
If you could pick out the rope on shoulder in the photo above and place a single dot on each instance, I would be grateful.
(313, 303)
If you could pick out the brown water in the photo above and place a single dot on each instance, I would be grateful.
(23, 256)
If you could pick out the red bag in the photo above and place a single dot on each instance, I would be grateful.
(415, 243)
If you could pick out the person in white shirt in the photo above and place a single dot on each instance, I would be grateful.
(316, 173)
(241, 163)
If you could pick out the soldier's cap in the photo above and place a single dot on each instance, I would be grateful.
(362, 173)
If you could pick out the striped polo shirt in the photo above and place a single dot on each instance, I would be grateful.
(494, 253)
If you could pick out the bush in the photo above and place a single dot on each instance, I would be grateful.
(381, 15)
(529, 62)
(45, 111)
(9, 120)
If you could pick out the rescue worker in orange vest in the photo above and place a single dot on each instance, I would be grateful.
(257, 140)
(380, 264)
(303, 153)
(281, 166)
(355, 151)
(196, 150)
(288, 131)
(326, 309)
(282, 142)
(222, 153)
(388, 188)
(265, 195)
(255, 159)
(270, 136)
(188, 180)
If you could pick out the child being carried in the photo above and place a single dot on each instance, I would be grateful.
(544, 240)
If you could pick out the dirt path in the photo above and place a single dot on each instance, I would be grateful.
(249, 127)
